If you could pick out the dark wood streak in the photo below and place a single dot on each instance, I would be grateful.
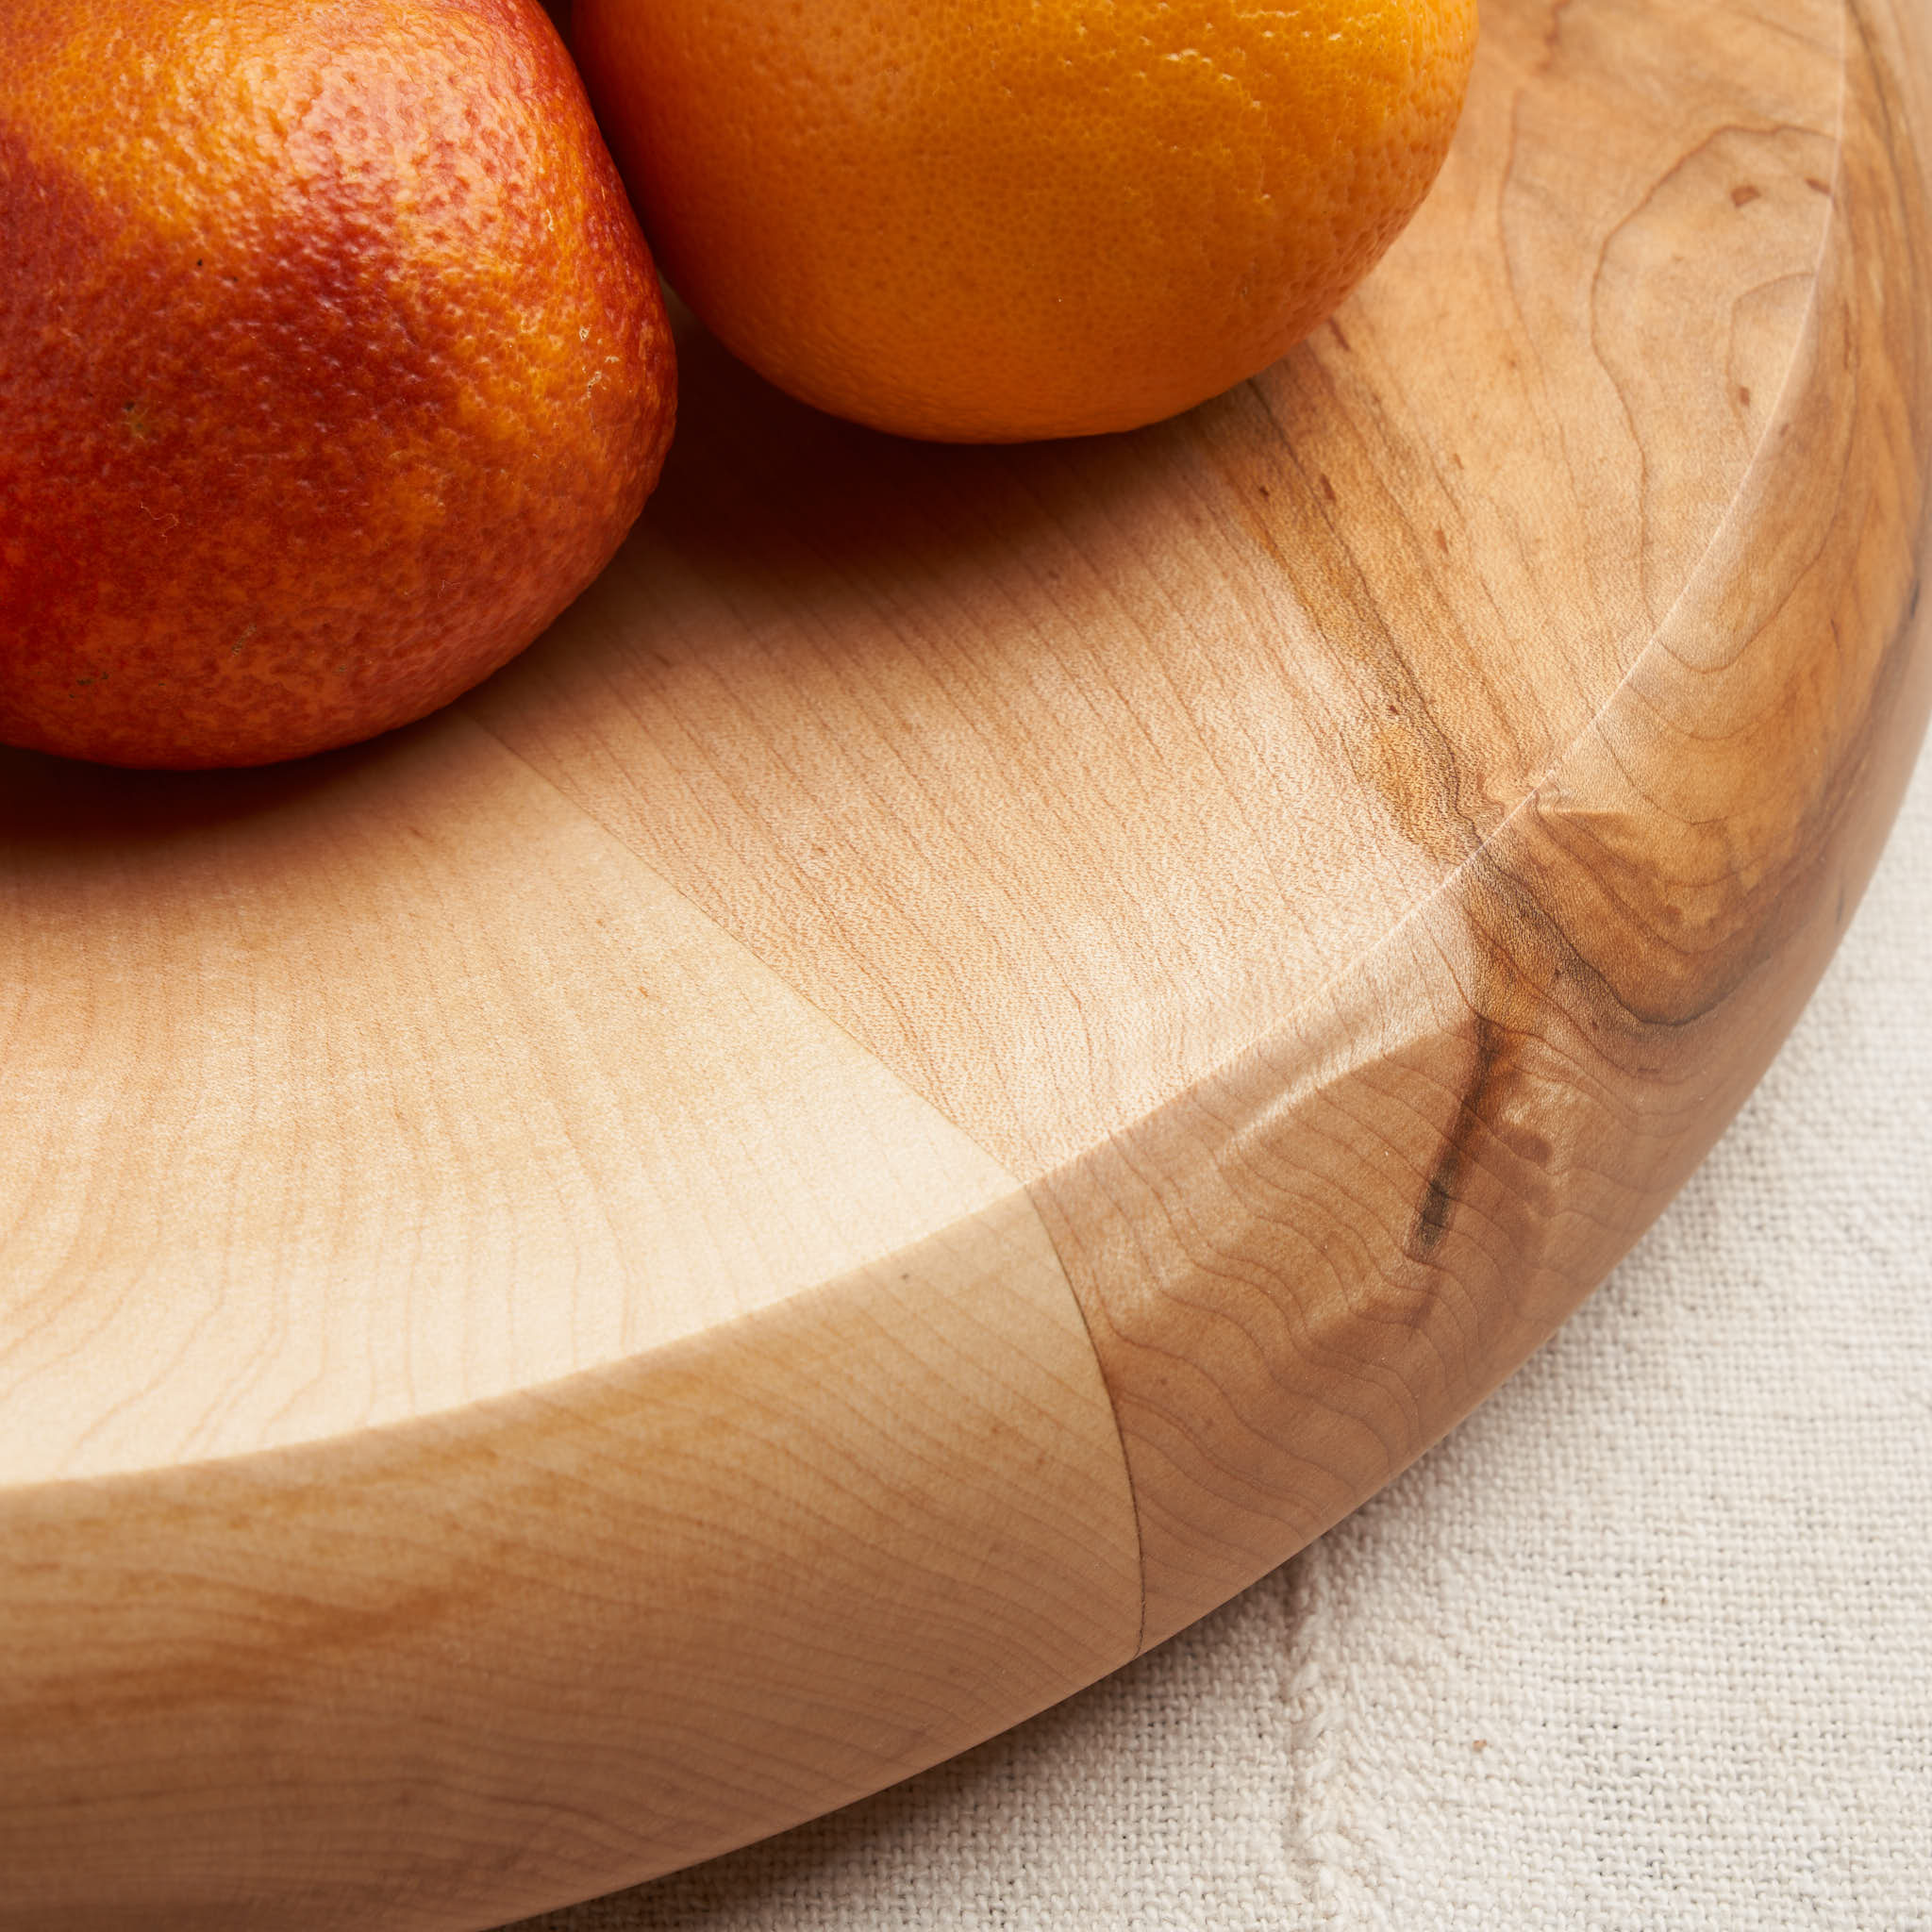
(1344, 938)
(1287, 1311)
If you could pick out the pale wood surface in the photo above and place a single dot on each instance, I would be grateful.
(976, 1046)
(391, 1083)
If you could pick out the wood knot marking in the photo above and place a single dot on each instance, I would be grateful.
(1488, 1117)
(1441, 1194)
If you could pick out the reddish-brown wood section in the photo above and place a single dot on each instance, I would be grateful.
(977, 1044)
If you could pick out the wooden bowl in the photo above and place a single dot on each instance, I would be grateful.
(979, 1045)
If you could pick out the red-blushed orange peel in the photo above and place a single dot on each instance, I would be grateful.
(332, 366)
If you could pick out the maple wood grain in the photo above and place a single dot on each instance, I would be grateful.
(975, 1047)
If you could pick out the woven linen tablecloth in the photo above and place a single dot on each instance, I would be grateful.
(1646, 1644)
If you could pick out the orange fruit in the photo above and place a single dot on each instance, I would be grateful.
(1021, 218)
(332, 366)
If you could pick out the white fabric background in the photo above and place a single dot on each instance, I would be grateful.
(1646, 1644)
